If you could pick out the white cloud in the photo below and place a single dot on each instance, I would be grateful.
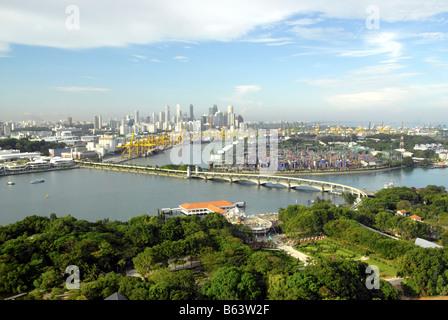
(102, 24)
(387, 97)
(139, 57)
(181, 58)
(377, 69)
(247, 88)
(304, 21)
(332, 34)
(269, 41)
(238, 96)
(80, 89)
(432, 35)
(436, 62)
(4, 48)
(382, 43)
(281, 43)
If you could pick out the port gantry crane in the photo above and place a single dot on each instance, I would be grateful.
(149, 144)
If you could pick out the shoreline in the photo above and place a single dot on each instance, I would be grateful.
(337, 172)
(12, 173)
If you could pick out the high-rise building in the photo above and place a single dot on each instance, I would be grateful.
(218, 119)
(230, 120)
(136, 117)
(212, 110)
(230, 116)
(154, 117)
(7, 129)
(97, 122)
(191, 118)
(239, 121)
(69, 121)
(178, 114)
(161, 116)
(167, 114)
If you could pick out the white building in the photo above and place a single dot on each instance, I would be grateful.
(105, 144)
(58, 161)
(13, 154)
(221, 206)
(38, 164)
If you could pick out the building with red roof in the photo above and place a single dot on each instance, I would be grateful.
(221, 206)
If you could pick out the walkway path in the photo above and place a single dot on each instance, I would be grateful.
(289, 249)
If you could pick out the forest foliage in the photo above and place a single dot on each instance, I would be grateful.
(425, 269)
(25, 145)
(35, 252)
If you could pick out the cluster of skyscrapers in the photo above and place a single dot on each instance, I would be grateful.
(165, 120)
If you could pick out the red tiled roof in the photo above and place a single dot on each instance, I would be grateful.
(214, 206)
(415, 217)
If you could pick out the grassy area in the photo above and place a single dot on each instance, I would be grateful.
(332, 248)
(442, 220)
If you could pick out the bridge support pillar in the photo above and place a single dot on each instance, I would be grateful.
(188, 172)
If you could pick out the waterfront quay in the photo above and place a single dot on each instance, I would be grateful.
(28, 171)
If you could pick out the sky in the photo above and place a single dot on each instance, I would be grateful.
(290, 60)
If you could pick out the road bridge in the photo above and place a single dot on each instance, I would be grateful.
(272, 180)
(258, 179)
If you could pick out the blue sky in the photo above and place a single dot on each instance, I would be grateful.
(272, 60)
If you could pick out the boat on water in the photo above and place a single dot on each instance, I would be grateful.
(389, 185)
(10, 183)
(37, 181)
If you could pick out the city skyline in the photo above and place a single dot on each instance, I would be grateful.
(282, 60)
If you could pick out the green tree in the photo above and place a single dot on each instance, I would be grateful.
(382, 220)
(349, 198)
(102, 287)
(302, 287)
(276, 287)
(230, 283)
(408, 162)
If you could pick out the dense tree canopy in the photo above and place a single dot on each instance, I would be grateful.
(25, 145)
(35, 252)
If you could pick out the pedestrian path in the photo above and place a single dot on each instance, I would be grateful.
(289, 249)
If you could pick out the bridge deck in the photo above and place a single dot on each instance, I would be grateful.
(259, 179)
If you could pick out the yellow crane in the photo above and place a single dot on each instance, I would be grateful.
(148, 144)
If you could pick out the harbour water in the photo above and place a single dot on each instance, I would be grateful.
(96, 194)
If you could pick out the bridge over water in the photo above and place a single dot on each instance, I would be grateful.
(258, 179)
